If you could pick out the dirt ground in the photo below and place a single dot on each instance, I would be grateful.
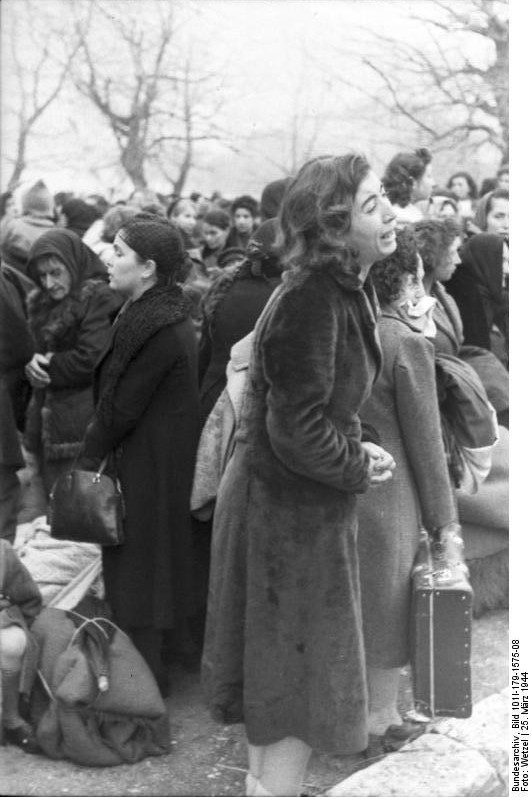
(209, 759)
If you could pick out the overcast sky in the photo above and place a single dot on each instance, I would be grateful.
(260, 45)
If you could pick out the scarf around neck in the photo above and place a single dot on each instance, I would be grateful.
(158, 307)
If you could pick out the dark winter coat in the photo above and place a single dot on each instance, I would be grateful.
(76, 330)
(149, 419)
(20, 603)
(283, 645)
(16, 349)
(231, 309)
(403, 407)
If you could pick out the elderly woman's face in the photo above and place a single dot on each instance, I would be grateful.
(54, 277)
(450, 261)
(498, 217)
(372, 232)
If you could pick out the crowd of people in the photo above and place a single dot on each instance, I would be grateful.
(350, 307)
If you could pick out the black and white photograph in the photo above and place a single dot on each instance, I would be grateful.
(254, 383)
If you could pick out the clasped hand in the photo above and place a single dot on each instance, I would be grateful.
(36, 370)
(381, 464)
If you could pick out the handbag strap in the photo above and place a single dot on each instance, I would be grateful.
(104, 461)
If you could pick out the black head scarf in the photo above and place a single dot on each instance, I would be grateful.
(82, 263)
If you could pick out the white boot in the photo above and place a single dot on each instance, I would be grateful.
(250, 785)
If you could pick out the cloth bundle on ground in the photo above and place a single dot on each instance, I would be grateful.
(54, 563)
(96, 701)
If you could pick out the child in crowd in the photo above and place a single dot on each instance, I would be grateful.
(20, 602)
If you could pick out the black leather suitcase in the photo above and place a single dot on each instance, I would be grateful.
(440, 633)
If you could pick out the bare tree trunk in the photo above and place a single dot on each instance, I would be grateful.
(20, 160)
(132, 159)
(179, 183)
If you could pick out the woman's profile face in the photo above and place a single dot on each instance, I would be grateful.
(214, 236)
(498, 217)
(423, 187)
(125, 269)
(54, 277)
(450, 261)
(372, 232)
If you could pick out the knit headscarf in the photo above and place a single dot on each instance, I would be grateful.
(158, 240)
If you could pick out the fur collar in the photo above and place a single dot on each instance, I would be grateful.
(158, 307)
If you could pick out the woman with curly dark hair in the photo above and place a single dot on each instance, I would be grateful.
(403, 407)
(284, 644)
(408, 179)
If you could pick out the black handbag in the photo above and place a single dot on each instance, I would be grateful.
(87, 506)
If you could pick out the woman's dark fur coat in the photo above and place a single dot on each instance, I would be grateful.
(283, 646)
(153, 431)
